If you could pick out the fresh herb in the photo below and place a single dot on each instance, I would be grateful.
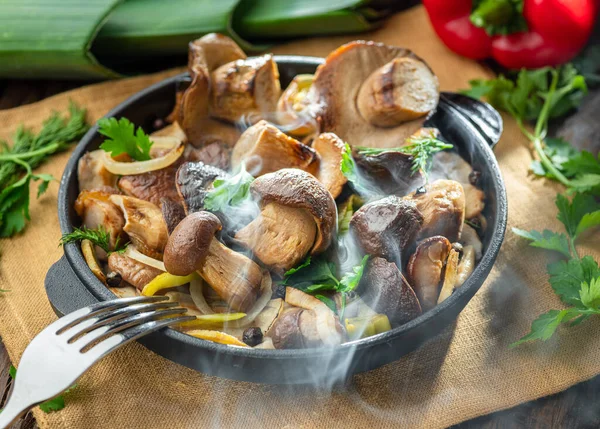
(327, 301)
(229, 192)
(348, 165)
(4, 290)
(577, 280)
(28, 152)
(541, 95)
(55, 404)
(345, 212)
(99, 237)
(587, 64)
(318, 275)
(420, 148)
(123, 138)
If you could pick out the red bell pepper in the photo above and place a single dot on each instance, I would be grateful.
(516, 33)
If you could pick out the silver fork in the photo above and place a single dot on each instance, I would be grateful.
(67, 348)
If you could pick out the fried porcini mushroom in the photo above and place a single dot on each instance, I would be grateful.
(443, 208)
(389, 172)
(371, 94)
(246, 89)
(425, 268)
(192, 246)
(298, 216)
(97, 210)
(205, 55)
(293, 107)
(450, 276)
(450, 165)
(193, 181)
(330, 148)
(215, 154)
(386, 227)
(144, 225)
(469, 237)
(133, 272)
(151, 186)
(265, 149)
(386, 291)
(172, 212)
(91, 173)
(466, 265)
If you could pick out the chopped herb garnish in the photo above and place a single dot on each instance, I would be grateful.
(99, 237)
(229, 192)
(123, 138)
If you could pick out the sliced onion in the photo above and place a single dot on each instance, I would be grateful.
(165, 142)
(259, 305)
(185, 301)
(133, 253)
(197, 293)
(138, 167)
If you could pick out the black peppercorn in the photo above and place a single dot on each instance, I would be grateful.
(474, 177)
(252, 336)
(113, 279)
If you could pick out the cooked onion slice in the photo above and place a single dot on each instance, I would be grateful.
(259, 305)
(211, 320)
(166, 281)
(217, 337)
(197, 293)
(138, 167)
(184, 300)
(133, 253)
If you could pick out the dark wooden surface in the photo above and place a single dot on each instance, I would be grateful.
(577, 407)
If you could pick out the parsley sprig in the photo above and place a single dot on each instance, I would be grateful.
(575, 280)
(123, 138)
(28, 152)
(99, 237)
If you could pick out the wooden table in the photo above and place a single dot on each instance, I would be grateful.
(576, 407)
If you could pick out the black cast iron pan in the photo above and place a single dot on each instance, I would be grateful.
(472, 126)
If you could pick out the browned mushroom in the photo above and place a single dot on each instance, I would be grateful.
(193, 181)
(96, 210)
(330, 148)
(192, 246)
(386, 227)
(385, 290)
(215, 154)
(465, 266)
(133, 272)
(144, 224)
(374, 95)
(389, 172)
(151, 186)
(92, 174)
(425, 269)
(172, 212)
(450, 276)
(295, 328)
(265, 149)
(246, 89)
(442, 205)
(293, 107)
(298, 215)
(469, 237)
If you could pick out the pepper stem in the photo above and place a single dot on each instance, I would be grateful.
(498, 16)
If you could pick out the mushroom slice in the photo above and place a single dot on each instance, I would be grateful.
(246, 89)
(172, 212)
(193, 247)
(205, 55)
(450, 276)
(193, 181)
(386, 227)
(91, 173)
(151, 186)
(425, 269)
(466, 265)
(367, 93)
(330, 148)
(302, 194)
(450, 165)
(89, 254)
(96, 210)
(265, 149)
(133, 272)
(292, 229)
(386, 291)
(144, 224)
(215, 154)
(469, 237)
(390, 172)
(293, 108)
(443, 208)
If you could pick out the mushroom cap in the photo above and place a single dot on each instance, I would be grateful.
(385, 290)
(330, 149)
(296, 188)
(189, 242)
(285, 332)
(385, 227)
(336, 88)
(390, 172)
(193, 181)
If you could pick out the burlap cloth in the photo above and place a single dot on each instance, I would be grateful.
(466, 372)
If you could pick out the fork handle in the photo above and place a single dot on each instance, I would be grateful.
(12, 412)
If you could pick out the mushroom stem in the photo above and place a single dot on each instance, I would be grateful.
(280, 236)
(233, 276)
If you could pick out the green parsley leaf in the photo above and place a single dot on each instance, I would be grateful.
(351, 280)
(581, 163)
(315, 272)
(229, 192)
(328, 302)
(546, 324)
(304, 264)
(12, 371)
(348, 165)
(589, 220)
(546, 240)
(590, 293)
(571, 213)
(45, 181)
(566, 278)
(122, 138)
(560, 153)
(345, 212)
(585, 183)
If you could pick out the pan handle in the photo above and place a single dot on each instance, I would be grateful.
(481, 115)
